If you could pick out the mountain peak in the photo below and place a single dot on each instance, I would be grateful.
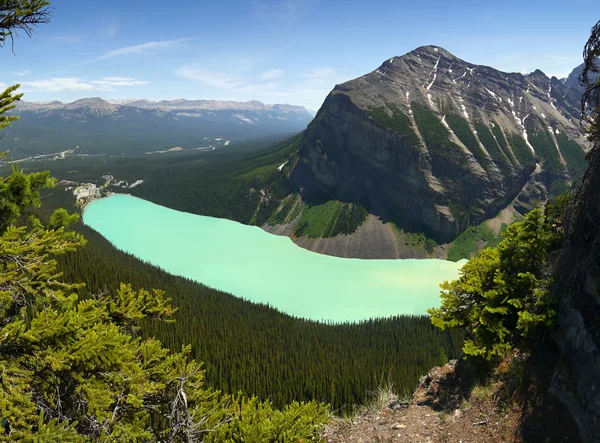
(539, 73)
(89, 102)
(430, 117)
(430, 49)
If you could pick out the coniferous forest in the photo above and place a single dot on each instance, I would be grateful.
(97, 345)
(254, 348)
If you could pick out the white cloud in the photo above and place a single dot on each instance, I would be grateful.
(119, 81)
(77, 84)
(138, 49)
(229, 82)
(213, 79)
(22, 73)
(321, 73)
(271, 74)
(58, 84)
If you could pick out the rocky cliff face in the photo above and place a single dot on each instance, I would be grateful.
(436, 143)
(576, 332)
(572, 81)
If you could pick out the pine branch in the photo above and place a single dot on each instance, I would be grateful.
(21, 16)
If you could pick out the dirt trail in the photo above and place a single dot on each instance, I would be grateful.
(421, 424)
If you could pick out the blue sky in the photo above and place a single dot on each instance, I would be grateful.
(286, 51)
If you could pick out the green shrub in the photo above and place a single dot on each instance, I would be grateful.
(398, 122)
(430, 244)
(462, 130)
(460, 212)
(497, 131)
(330, 218)
(466, 243)
(487, 140)
(437, 137)
(501, 298)
(545, 148)
(522, 152)
(283, 215)
(573, 155)
(259, 422)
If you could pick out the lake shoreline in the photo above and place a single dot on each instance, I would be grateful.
(264, 268)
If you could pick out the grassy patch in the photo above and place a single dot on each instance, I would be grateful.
(283, 215)
(558, 187)
(482, 391)
(544, 146)
(573, 155)
(522, 152)
(487, 140)
(467, 243)
(297, 210)
(330, 218)
(398, 122)
(419, 239)
(497, 131)
(462, 130)
(415, 239)
(436, 136)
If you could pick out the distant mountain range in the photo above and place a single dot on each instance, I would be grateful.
(178, 105)
(437, 144)
(133, 126)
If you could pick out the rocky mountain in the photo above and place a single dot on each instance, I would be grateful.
(436, 144)
(125, 126)
(257, 111)
(572, 81)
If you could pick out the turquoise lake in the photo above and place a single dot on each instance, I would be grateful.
(253, 264)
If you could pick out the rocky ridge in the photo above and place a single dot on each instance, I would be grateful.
(572, 81)
(436, 144)
(101, 107)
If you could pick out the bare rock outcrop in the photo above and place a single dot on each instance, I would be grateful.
(436, 143)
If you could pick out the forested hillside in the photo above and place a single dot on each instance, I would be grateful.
(240, 183)
(259, 350)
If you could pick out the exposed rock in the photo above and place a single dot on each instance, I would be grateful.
(575, 381)
(437, 143)
(577, 333)
(534, 194)
(572, 81)
(440, 388)
(398, 404)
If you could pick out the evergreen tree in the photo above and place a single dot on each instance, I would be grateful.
(502, 295)
(21, 15)
(74, 369)
(590, 79)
